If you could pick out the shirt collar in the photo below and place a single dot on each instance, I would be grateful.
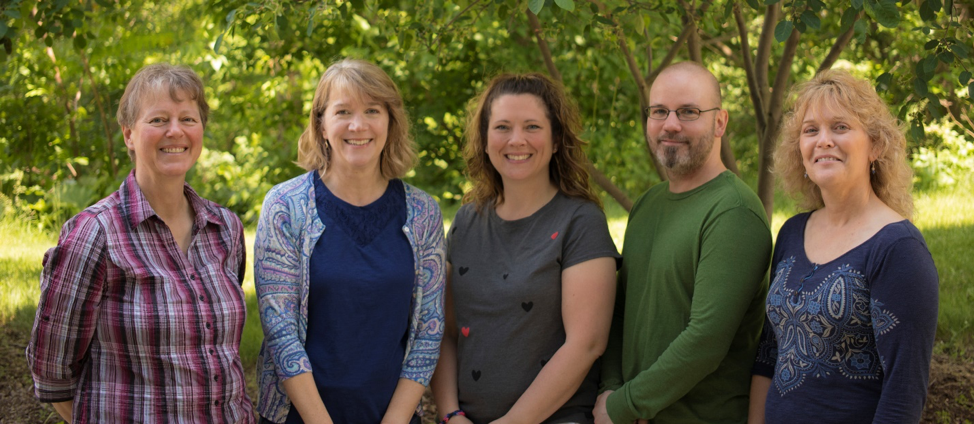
(137, 208)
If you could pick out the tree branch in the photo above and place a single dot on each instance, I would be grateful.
(840, 43)
(784, 72)
(764, 50)
(543, 46)
(671, 54)
(608, 186)
(450, 23)
(752, 83)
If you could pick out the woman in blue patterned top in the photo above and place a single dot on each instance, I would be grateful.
(349, 265)
(852, 307)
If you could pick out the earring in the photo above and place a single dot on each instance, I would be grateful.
(872, 167)
(806, 175)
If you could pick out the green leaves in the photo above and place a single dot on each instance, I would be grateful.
(3, 28)
(535, 6)
(884, 81)
(783, 30)
(568, 5)
(884, 11)
(811, 20)
(848, 18)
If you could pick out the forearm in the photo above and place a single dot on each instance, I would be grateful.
(304, 396)
(444, 383)
(64, 409)
(759, 394)
(404, 400)
(555, 384)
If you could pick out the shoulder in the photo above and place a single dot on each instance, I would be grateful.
(901, 234)
(415, 196)
(297, 187)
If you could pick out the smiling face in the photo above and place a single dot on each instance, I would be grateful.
(835, 148)
(683, 147)
(356, 127)
(167, 137)
(519, 142)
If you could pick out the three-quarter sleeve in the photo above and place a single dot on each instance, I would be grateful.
(278, 280)
(72, 283)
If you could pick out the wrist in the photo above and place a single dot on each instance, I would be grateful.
(458, 412)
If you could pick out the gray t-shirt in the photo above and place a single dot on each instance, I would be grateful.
(506, 285)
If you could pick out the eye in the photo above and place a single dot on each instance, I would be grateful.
(658, 113)
(342, 112)
(156, 121)
(534, 127)
(373, 111)
(189, 119)
(688, 113)
(501, 127)
(809, 130)
(842, 127)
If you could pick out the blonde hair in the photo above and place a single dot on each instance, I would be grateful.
(153, 78)
(836, 89)
(567, 169)
(367, 80)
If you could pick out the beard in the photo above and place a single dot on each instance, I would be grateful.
(686, 158)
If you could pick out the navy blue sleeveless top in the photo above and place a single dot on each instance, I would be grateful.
(359, 298)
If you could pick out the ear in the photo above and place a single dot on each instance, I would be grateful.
(720, 122)
(875, 152)
(127, 135)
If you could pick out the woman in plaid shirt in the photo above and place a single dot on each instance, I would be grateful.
(141, 309)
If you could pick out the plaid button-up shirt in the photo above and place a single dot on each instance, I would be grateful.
(132, 329)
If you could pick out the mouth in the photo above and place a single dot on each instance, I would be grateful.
(174, 149)
(827, 159)
(517, 157)
(359, 142)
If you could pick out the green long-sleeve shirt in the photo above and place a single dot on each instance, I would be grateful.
(690, 305)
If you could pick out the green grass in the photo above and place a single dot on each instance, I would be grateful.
(946, 218)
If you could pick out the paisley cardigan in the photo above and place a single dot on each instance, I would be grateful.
(287, 232)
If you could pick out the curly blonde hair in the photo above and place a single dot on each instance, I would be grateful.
(567, 170)
(369, 81)
(839, 90)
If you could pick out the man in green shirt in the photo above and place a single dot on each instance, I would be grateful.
(690, 303)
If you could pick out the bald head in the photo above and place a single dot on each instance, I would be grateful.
(695, 73)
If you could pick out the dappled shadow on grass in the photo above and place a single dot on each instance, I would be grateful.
(17, 402)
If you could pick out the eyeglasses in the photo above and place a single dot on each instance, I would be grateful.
(659, 113)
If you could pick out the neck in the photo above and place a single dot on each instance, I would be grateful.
(843, 206)
(680, 183)
(521, 199)
(357, 188)
(165, 196)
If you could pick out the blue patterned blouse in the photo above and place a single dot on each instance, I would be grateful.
(287, 232)
(849, 341)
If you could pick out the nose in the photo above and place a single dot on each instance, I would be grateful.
(672, 123)
(518, 137)
(357, 123)
(824, 140)
(174, 129)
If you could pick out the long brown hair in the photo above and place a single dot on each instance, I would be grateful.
(567, 170)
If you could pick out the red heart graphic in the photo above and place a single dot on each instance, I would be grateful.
(555, 235)
(465, 331)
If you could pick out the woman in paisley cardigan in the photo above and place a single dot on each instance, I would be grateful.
(349, 264)
(852, 307)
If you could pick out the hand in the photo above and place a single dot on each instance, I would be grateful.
(601, 414)
(642, 421)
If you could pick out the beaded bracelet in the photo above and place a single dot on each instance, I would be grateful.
(453, 414)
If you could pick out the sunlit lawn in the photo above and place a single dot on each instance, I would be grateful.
(946, 218)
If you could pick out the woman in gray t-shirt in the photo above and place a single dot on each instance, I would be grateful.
(531, 266)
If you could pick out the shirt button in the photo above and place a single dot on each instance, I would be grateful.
(211, 351)
(216, 378)
(216, 402)
(208, 326)
(201, 298)
(192, 277)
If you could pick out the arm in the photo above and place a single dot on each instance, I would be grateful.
(588, 292)
(426, 325)
(727, 282)
(759, 394)
(277, 277)
(72, 284)
(444, 383)
(303, 393)
(903, 304)
(404, 400)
